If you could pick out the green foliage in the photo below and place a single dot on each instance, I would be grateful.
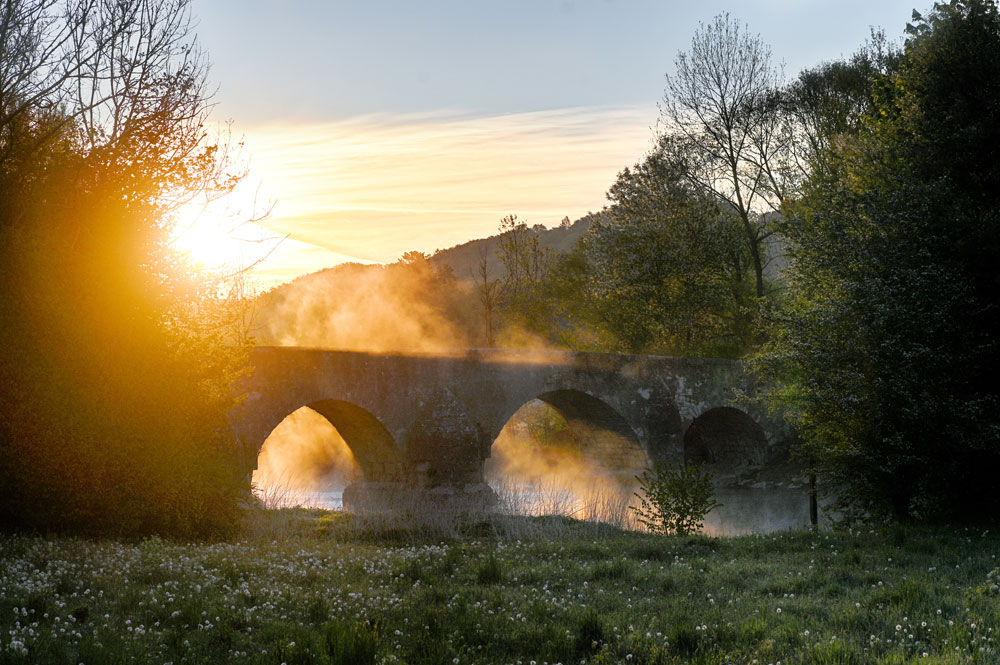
(992, 586)
(489, 572)
(664, 269)
(347, 643)
(589, 633)
(670, 269)
(117, 366)
(525, 267)
(674, 499)
(887, 350)
(564, 309)
(524, 262)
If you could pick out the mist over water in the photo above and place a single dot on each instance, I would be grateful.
(304, 462)
(540, 464)
(762, 510)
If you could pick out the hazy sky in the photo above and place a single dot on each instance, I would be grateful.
(382, 126)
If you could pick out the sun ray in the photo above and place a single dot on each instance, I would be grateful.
(222, 234)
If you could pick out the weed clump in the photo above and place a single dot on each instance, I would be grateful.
(674, 499)
(350, 643)
(490, 572)
(589, 633)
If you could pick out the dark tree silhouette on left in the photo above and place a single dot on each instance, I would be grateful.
(117, 366)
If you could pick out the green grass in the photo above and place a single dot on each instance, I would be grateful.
(311, 587)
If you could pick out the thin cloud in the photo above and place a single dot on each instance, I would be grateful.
(374, 187)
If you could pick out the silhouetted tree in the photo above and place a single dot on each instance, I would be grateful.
(488, 290)
(523, 260)
(887, 353)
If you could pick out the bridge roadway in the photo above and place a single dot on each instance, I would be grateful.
(428, 421)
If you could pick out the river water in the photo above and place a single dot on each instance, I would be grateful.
(749, 510)
(744, 510)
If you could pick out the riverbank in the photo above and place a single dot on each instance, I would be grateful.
(311, 587)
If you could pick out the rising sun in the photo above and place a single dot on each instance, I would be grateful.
(221, 235)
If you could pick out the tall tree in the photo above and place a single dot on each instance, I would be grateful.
(523, 260)
(488, 290)
(719, 117)
(889, 350)
(670, 264)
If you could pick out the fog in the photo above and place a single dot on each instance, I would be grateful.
(395, 308)
(543, 464)
(304, 461)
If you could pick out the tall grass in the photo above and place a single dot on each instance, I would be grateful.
(541, 499)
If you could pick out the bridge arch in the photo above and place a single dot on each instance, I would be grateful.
(373, 447)
(725, 439)
(566, 442)
(581, 409)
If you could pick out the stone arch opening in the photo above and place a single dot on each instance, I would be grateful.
(566, 452)
(318, 450)
(726, 440)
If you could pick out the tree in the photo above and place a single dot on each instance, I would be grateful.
(832, 99)
(720, 121)
(670, 265)
(487, 288)
(525, 266)
(116, 373)
(887, 354)
(524, 262)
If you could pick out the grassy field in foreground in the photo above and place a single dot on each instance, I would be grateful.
(306, 587)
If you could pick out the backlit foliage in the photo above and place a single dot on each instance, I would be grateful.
(674, 499)
(115, 370)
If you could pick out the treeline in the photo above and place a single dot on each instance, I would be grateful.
(885, 344)
(116, 360)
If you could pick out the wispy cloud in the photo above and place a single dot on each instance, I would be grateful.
(374, 187)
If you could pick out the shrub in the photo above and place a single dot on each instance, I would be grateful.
(674, 499)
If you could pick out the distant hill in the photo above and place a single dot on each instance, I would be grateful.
(464, 259)
(407, 305)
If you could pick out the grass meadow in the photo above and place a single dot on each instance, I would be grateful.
(312, 586)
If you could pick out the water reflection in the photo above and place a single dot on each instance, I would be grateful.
(744, 510)
(758, 510)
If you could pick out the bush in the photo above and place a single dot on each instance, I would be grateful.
(674, 499)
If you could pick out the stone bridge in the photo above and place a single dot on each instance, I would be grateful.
(429, 421)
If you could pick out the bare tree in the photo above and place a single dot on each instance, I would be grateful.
(524, 262)
(489, 292)
(720, 119)
(124, 78)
